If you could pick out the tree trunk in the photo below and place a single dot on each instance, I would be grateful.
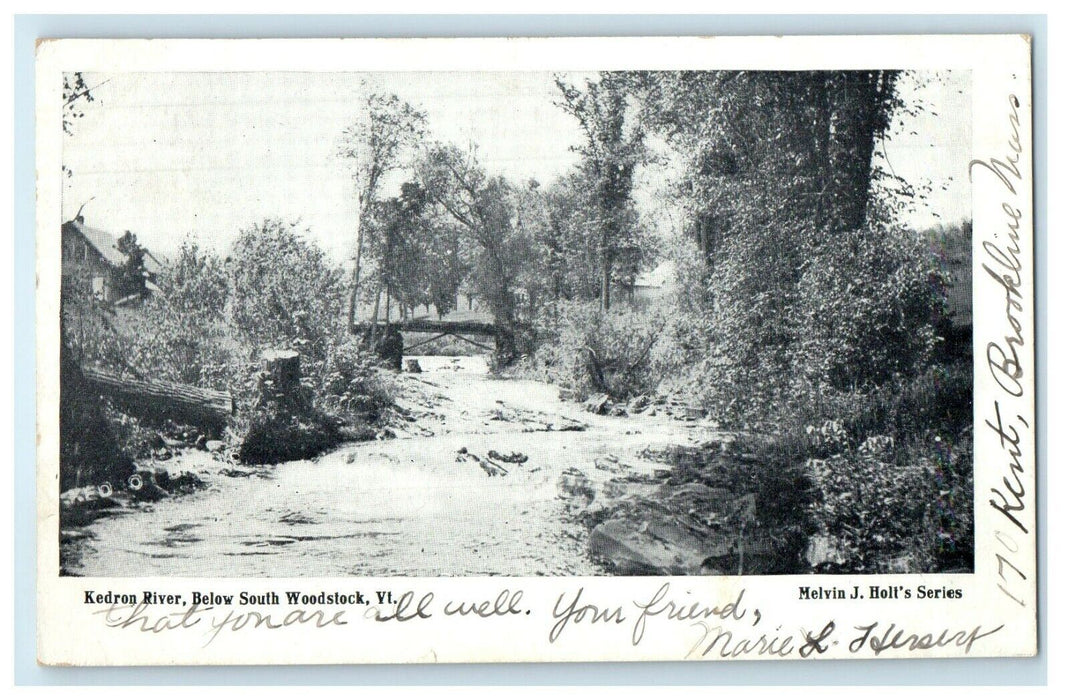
(606, 281)
(593, 368)
(855, 108)
(373, 328)
(201, 407)
(505, 352)
(354, 295)
(703, 237)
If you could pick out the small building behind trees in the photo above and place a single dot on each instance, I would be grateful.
(104, 266)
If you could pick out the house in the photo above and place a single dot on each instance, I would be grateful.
(648, 287)
(92, 256)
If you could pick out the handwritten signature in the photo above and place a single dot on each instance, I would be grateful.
(876, 638)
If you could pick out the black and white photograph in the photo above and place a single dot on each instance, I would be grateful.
(614, 323)
(606, 323)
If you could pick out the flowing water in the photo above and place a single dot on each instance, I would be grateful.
(404, 506)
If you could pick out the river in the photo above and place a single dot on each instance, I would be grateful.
(403, 506)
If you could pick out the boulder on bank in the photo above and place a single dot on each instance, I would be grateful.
(274, 438)
(656, 546)
(576, 486)
(511, 458)
(689, 528)
(597, 404)
(638, 404)
(182, 483)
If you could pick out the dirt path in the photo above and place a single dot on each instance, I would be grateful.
(400, 507)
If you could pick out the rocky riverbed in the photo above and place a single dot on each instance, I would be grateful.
(485, 476)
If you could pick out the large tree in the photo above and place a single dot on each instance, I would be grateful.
(612, 149)
(761, 146)
(484, 208)
(773, 169)
(417, 249)
(377, 143)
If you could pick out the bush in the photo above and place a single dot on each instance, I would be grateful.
(935, 402)
(889, 512)
(798, 319)
(591, 351)
(284, 292)
(867, 305)
(352, 383)
(195, 283)
(783, 492)
(184, 346)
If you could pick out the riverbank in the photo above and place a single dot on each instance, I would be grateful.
(420, 504)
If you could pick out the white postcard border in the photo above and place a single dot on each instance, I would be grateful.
(996, 616)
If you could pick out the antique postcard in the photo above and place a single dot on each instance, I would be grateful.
(473, 350)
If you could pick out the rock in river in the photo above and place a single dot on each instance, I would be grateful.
(657, 546)
(597, 404)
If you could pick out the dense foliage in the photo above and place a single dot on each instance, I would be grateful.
(802, 308)
(213, 317)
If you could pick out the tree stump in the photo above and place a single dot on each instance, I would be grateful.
(280, 381)
(286, 425)
(283, 367)
(391, 347)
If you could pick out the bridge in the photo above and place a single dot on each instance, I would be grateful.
(456, 328)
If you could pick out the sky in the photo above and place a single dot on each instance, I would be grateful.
(168, 155)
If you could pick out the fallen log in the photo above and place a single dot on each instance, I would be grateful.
(158, 399)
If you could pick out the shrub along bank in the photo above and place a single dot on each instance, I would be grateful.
(836, 359)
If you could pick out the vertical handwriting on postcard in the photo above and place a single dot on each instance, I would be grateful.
(1004, 266)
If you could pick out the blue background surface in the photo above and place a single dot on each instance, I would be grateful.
(1030, 671)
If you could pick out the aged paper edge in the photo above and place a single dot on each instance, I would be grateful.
(1000, 594)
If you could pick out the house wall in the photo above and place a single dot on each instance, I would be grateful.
(83, 265)
(640, 296)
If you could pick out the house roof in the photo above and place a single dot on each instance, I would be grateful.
(107, 245)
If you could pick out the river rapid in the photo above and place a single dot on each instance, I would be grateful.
(416, 505)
